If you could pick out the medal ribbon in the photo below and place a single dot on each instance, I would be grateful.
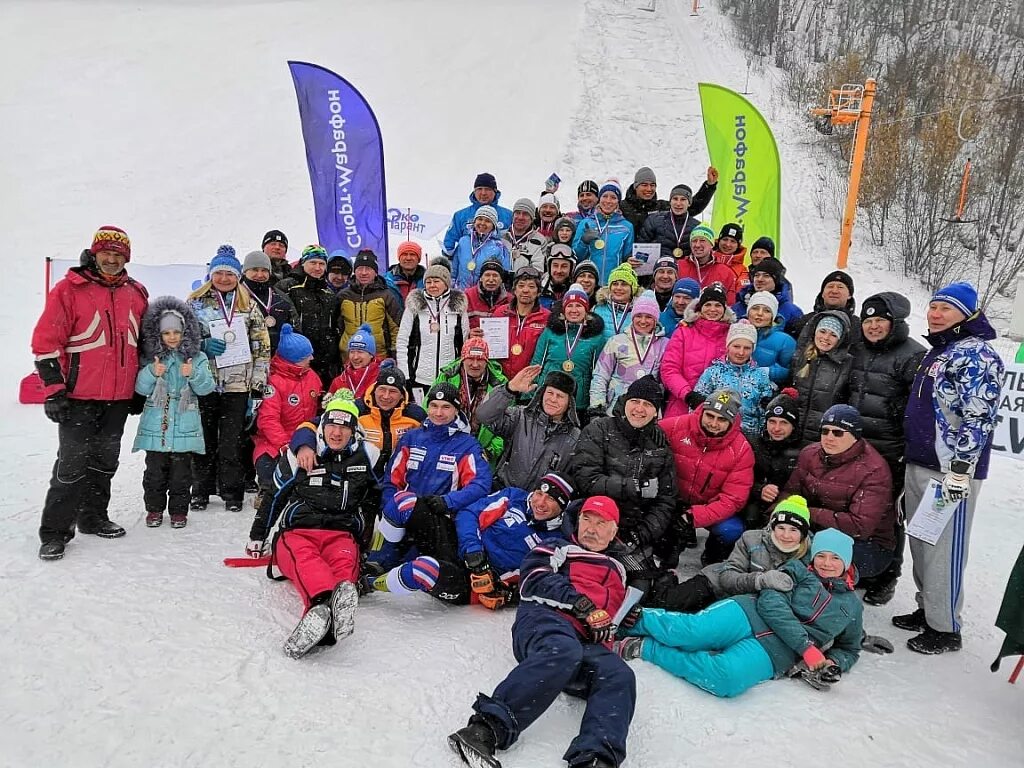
(570, 347)
(269, 303)
(436, 318)
(618, 321)
(636, 347)
(223, 309)
(678, 234)
(597, 222)
(476, 250)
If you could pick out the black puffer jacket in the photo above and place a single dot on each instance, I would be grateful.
(881, 377)
(636, 210)
(823, 381)
(611, 456)
(316, 309)
(774, 462)
(281, 308)
(669, 230)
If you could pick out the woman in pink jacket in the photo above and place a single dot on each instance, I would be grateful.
(698, 340)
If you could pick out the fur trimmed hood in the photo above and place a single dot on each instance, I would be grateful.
(152, 345)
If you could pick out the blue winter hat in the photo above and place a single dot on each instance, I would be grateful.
(834, 541)
(844, 417)
(311, 252)
(293, 347)
(687, 286)
(611, 185)
(362, 340)
(225, 260)
(963, 296)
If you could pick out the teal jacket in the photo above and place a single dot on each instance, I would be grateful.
(550, 352)
(172, 400)
(823, 612)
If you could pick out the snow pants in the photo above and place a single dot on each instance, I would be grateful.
(939, 569)
(166, 482)
(219, 470)
(89, 444)
(714, 649)
(316, 561)
(554, 658)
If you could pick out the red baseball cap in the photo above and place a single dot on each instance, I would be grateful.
(602, 506)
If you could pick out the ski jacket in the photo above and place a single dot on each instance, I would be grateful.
(749, 381)
(170, 421)
(317, 318)
(752, 554)
(464, 217)
(526, 251)
(619, 365)
(774, 462)
(953, 405)
(481, 304)
(272, 303)
(423, 352)
(788, 311)
(375, 304)
(470, 254)
(207, 308)
(613, 459)
(328, 497)
(825, 613)
(822, 381)
(92, 328)
(669, 320)
(551, 293)
(551, 352)
(696, 342)
(523, 334)
(711, 273)
(614, 322)
(669, 231)
(292, 398)
(356, 380)
(714, 473)
(881, 375)
(737, 262)
(851, 491)
(774, 351)
(435, 460)
(614, 232)
(638, 211)
(503, 527)
(474, 393)
(401, 284)
(534, 444)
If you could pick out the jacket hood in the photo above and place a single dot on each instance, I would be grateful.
(844, 320)
(536, 409)
(282, 367)
(691, 315)
(152, 345)
(417, 301)
(899, 307)
(592, 326)
(976, 325)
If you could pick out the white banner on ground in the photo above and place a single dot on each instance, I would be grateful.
(159, 279)
(1008, 439)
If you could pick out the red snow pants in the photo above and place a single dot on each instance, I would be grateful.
(317, 561)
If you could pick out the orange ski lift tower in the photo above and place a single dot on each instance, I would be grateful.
(850, 103)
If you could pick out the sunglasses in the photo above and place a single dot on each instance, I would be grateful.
(832, 431)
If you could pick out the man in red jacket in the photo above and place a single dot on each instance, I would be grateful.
(86, 348)
(715, 467)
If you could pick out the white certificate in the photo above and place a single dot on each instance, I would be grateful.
(633, 596)
(236, 336)
(496, 335)
(932, 515)
(647, 254)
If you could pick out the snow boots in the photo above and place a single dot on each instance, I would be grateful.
(628, 648)
(154, 519)
(104, 529)
(179, 520)
(198, 503)
(912, 622)
(311, 629)
(343, 609)
(931, 642)
(475, 744)
(51, 550)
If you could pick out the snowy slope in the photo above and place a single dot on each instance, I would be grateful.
(177, 121)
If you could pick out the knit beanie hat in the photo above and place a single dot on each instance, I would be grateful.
(625, 273)
(576, 294)
(741, 329)
(476, 347)
(735, 231)
(256, 260)
(338, 262)
(702, 231)
(602, 506)
(408, 246)
(487, 212)
(362, 340)
(341, 411)
(764, 299)
(275, 236)
(725, 403)
(225, 261)
(764, 244)
(782, 406)
(962, 296)
(439, 271)
(365, 258)
(646, 388)
(792, 511)
(548, 198)
(172, 320)
(837, 276)
(681, 189)
(557, 487)
(561, 381)
(392, 376)
(485, 180)
(845, 417)
(647, 304)
(686, 286)
(313, 253)
(666, 262)
(525, 205)
(587, 266)
(493, 265)
(445, 393)
(830, 323)
(644, 176)
(771, 267)
(587, 186)
(834, 541)
(109, 238)
(565, 223)
(611, 185)
(875, 306)
(714, 292)
(293, 347)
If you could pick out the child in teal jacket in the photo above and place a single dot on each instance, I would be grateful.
(173, 372)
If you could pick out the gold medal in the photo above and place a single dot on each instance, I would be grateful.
(471, 266)
(270, 321)
(678, 253)
(599, 244)
(517, 349)
(568, 365)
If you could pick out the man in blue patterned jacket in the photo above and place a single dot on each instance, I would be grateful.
(949, 421)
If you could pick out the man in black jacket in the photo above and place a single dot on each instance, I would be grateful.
(317, 310)
(776, 451)
(642, 197)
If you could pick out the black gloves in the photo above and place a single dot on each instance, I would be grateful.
(57, 408)
(432, 505)
(693, 399)
(50, 372)
(137, 404)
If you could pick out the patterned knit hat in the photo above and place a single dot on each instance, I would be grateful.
(487, 212)
(667, 262)
(611, 185)
(476, 347)
(439, 271)
(844, 417)
(576, 294)
(341, 411)
(625, 273)
(313, 253)
(962, 296)
(292, 346)
(557, 487)
(362, 340)
(792, 511)
(725, 403)
(587, 186)
(109, 238)
(703, 232)
(686, 286)
(647, 304)
(714, 292)
(225, 261)
(832, 324)
(587, 266)
(782, 406)
(741, 329)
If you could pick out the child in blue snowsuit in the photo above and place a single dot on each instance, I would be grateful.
(740, 642)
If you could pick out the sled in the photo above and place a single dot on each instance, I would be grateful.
(32, 391)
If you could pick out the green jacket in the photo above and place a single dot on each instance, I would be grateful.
(1011, 614)
(494, 377)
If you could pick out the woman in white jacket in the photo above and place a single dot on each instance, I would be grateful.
(434, 326)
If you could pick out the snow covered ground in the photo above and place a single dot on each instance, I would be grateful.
(177, 121)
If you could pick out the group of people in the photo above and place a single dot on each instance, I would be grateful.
(630, 406)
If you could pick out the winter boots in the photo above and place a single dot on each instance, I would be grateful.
(179, 520)
(931, 642)
(475, 744)
(154, 519)
(912, 622)
(343, 609)
(199, 503)
(628, 648)
(880, 593)
(104, 529)
(51, 550)
(310, 630)
(334, 610)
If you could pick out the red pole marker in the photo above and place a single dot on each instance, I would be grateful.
(1017, 670)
